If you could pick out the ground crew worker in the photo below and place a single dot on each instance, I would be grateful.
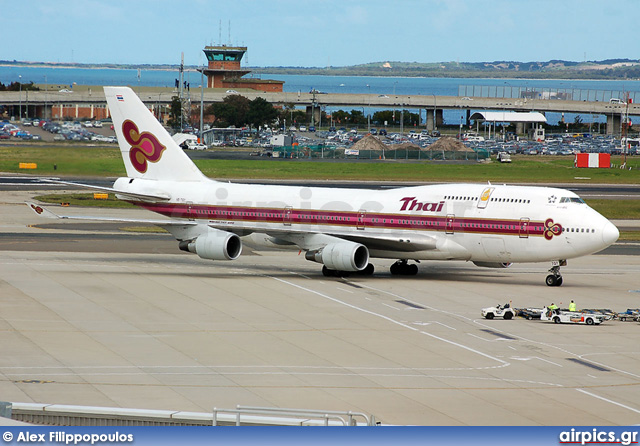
(553, 308)
(572, 306)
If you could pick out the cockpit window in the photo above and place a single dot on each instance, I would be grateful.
(571, 200)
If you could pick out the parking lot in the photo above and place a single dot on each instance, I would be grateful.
(40, 130)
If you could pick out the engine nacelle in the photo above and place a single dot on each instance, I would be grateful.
(344, 256)
(492, 264)
(214, 245)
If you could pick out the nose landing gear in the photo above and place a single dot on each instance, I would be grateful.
(555, 278)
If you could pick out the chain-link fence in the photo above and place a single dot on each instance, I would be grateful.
(390, 153)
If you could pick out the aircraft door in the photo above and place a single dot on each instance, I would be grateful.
(484, 197)
(449, 224)
(361, 219)
(190, 210)
(286, 216)
(524, 227)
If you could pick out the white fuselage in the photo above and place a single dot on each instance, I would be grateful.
(482, 223)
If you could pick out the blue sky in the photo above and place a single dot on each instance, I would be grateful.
(320, 32)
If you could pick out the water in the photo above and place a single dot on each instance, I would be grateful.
(66, 77)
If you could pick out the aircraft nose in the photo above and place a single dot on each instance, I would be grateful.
(610, 233)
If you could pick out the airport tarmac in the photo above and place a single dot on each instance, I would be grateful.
(94, 316)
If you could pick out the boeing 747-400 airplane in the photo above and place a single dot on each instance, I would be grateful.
(489, 225)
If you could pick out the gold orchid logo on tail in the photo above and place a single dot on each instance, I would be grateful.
(145, 147)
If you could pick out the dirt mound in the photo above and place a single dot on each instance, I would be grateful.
(449, 144)
(369, 142)
(405, 146)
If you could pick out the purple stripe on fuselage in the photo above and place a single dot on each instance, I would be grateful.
(346, 219)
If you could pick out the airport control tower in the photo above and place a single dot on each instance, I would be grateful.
(224, 70)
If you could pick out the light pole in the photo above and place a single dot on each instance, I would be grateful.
(369, 111)
(394, 99)
(20, 97)
(46, 88)
(435, 114)
(201, 103)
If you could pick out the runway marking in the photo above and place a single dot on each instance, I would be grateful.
(299, 274)
(345, 290)
(517, 358)
(608, 400)
(433, 322)
(487, 340)
(211, 370)
(390, 306)
(393, 321)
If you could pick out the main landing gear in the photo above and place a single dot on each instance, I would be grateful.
(402, 268)
(367, 271)
(555, 278)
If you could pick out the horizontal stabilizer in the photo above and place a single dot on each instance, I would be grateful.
(124, 195)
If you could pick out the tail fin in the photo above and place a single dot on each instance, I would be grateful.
(147, 148)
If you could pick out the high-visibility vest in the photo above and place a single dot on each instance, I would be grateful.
(572, 306)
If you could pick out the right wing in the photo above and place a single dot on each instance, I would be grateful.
(44, 212)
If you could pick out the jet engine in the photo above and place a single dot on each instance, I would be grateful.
(214, 245)
(492, 264)
(344, 256)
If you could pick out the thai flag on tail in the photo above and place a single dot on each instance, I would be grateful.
(119, 97)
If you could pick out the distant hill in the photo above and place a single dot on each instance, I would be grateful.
(553, 69)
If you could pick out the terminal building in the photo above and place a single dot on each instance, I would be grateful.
(224, 70)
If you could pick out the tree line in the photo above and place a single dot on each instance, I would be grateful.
(238, 111)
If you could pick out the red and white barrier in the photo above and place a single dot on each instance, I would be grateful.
(602, 160)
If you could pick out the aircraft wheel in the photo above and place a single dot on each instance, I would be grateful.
(395, 269)
(551, 280)
(328, 272)
(368, 271)
(412, 270)
(559, 281)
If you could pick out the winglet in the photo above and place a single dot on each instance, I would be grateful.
(43, 212)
